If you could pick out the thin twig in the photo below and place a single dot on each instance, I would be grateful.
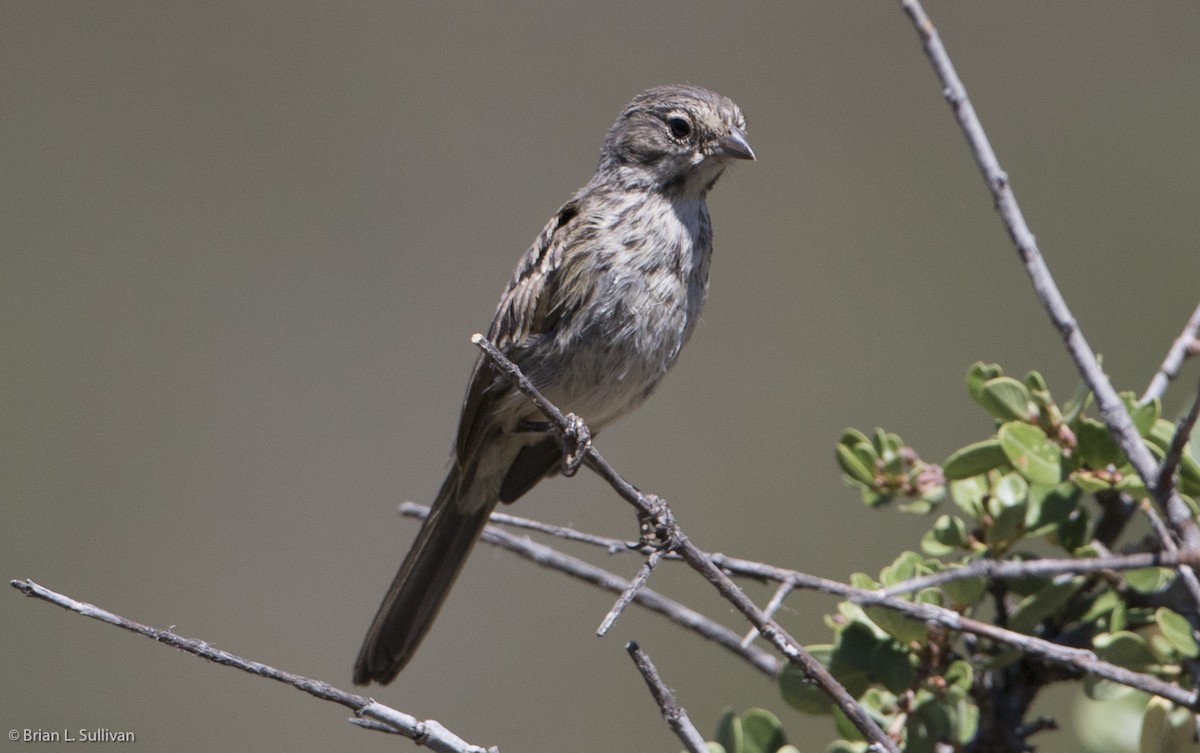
(674, 611)
(428, 733)
(770, 609)
(1174, 454)
(1183, 346)
(675, 715)
(630, 591)
(1010, 569)
(1112, 408)
(1082, 660)
(655, 510)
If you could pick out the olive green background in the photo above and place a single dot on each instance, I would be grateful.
(244, 247)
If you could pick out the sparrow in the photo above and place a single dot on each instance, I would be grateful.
(595, 315)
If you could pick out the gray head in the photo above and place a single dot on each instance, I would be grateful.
(677, 137)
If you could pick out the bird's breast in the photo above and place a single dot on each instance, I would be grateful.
(648, 279)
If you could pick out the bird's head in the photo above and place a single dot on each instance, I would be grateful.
(679, 137)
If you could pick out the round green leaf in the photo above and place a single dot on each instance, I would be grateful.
(762, 732)
(1178, 631)
(1029, 450)
(1011, 490)
(975, 459)
(799, 693)
(1005, 398)
(1148, 580)
(1124, 649)
(966, 592)
(969, 494)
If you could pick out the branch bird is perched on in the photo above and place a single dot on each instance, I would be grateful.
(595, 315)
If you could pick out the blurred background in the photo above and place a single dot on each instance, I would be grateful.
(244, 248)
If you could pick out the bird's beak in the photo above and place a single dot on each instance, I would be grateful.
(735, 145)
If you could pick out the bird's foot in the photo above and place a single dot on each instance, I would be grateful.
(576, 441)
(656, 526)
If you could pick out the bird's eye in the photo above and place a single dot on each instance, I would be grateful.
(680, 126)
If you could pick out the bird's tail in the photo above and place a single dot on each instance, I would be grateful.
(435, 560)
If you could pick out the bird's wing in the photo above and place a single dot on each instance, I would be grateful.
(529, 307)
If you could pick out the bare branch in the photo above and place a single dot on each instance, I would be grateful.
(655, 510)
(1008, 569)
(674, 611)
(1112, 409)
(630, 591)
(1184, 346)
(676, 715)
(772, 607)
(1174, 454)
(428, 733)
(1080, 659)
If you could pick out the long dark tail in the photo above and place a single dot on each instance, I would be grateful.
(424, 580)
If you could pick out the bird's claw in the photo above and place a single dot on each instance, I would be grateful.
(576, 440)
(657, 525)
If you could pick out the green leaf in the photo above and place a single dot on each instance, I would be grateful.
(975, 459)
(1095, 445)
(1035, 382)
(1124, 649)
(853, 467)
(1049, 506)
(852, 436)
(1189, 475)
(729, 732)
(1148, 580)
(951, 531)
(978, 374)
(1130, 482)
(931, 724)
(1010, 491)
(1144, 416)
(959, 677)
(1160, 436)
(762, 732)
(1006, 399)
(888, 447)
(968, 722)
(1089, 484)
(969, 494)
(862, 658)
(1102, 605)
(1099, 689)
(1029, 450)
(904, 629)
(798, 692)
(1033, 609)
(1006, 527)
(966, 592)
(1072, 533)
(1178, 631)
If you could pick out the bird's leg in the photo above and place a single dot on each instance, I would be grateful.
(576, 440)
